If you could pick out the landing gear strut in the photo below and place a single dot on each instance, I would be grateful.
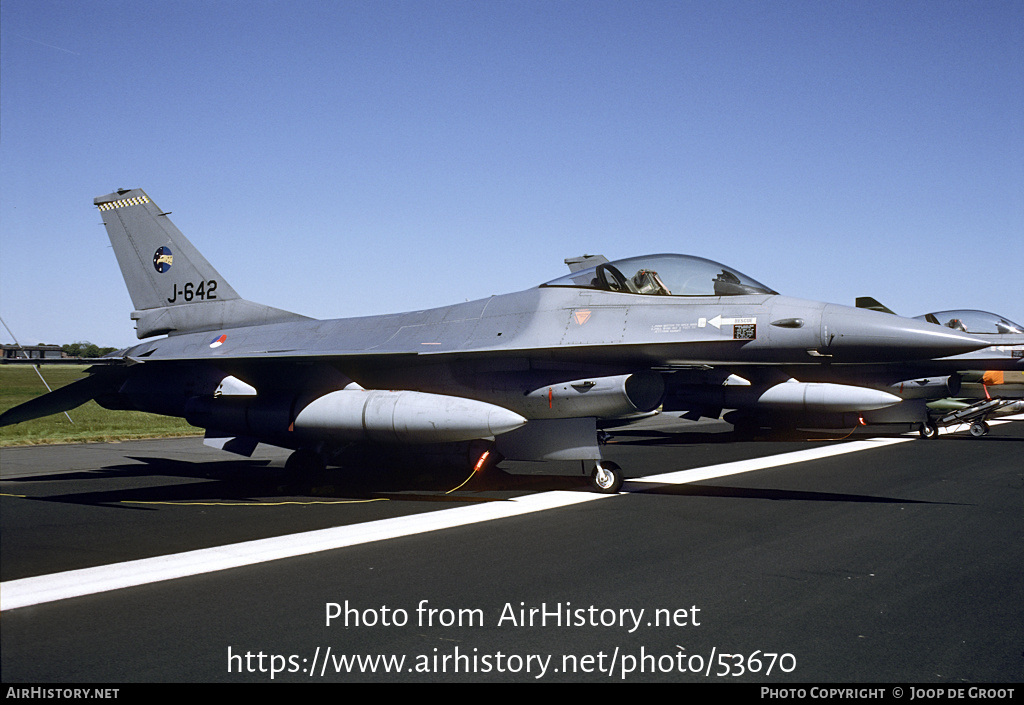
(606, 477)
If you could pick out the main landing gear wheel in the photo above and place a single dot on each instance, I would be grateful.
(928, 430)
(607, 477)
(979, 429)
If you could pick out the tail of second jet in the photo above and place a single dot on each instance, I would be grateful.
(173, 288)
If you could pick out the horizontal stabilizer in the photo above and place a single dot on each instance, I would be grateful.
(63, 399)
(207, 316)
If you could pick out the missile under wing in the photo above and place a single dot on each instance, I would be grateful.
(528, 375)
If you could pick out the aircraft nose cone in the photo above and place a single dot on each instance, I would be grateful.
(875, 336)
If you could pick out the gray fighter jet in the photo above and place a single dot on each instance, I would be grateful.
(985, 383)
(930, 390)
(525, 376)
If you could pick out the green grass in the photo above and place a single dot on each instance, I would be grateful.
(92, 423)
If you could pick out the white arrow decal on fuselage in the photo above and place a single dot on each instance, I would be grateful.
(717, 321)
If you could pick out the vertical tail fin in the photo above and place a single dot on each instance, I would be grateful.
(173, 287)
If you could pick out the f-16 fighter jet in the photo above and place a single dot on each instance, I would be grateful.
(529, 375)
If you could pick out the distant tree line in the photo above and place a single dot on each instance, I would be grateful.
(85, 349)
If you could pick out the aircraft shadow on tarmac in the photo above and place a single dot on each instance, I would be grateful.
(260, 481)
(985, 439)
(685, 438)
(694, 490)
(237, 481)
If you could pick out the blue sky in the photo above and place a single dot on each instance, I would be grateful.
(352, 158)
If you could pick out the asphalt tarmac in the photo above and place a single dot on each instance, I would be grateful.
(894, 560)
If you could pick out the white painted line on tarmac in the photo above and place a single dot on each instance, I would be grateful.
(800, 456)
(89, 581)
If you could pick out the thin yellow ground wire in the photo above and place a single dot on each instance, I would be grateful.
(463, 482)
(255, 504)
(837, 439)
(476, 468)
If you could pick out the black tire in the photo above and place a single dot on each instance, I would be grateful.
(979, 429)
(929, 430)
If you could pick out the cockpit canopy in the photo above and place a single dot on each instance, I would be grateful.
(664, 275)
(977, 322)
